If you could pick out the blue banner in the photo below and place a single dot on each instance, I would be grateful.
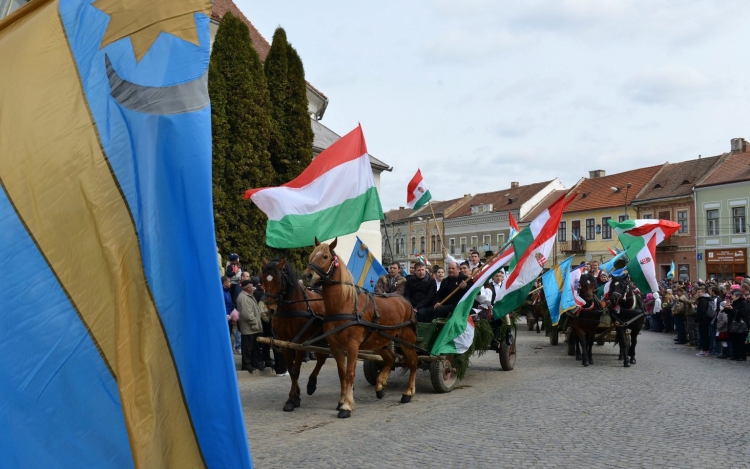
(555, 281)
(365, 269)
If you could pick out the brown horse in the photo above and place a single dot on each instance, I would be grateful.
(354, 320)
(585, 321)
(297, 314)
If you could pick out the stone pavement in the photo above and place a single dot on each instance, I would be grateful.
(671, 410)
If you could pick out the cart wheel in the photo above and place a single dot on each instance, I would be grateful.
(571, 345)
(443, 375)
(372, 370)
(507, 355)
(530, 322)
(553, 333)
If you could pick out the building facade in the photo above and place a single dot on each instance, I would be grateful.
(722, 202)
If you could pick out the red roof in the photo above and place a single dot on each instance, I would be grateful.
(221, 7)
(678, 179)
(503, 200)
(734, 168)
(596, 193)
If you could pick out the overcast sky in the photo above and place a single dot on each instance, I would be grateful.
(479, 93)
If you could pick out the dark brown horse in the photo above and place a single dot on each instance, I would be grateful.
(297, 314)
(354, 320)
(627, 311)
(585, 321)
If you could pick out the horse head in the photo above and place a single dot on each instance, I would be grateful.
(323, 263)
(619, 288)
(587, 286)
(278, 279)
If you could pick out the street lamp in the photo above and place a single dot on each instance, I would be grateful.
(625, 196)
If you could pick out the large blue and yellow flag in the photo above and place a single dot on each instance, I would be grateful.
(114, 336)
(365, 269)
(555, 281)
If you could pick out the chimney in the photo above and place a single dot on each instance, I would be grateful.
(738, 145)
(514, 184)
(401, 208)
(597, 173)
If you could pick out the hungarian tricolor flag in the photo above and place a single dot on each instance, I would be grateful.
(417, 193)
(640, 238)
(332, 197)
(532, 248)
(458, 333)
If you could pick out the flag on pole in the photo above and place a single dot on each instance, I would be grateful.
(532, 247)
(365, 269)
(609, 266)
(639, 239)
(570, 299)
(458, 333)
(514, 230)
(417, 193)
(555, 281)
(332, 197)
(105, 198)
(670, 274)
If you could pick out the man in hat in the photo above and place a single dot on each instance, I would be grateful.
(250, 327)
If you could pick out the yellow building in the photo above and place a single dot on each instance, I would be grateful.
(584, 232)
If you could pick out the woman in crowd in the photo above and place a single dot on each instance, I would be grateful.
(738, 325)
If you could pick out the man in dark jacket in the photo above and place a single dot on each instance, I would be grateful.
(420, 291)
(392, 282)
(455, 279)
(703, 319)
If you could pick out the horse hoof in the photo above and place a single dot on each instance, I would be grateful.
(632, 360)
(585, 363)
(288, 406)
(297, 402)
(626, 364)
(338, 407)
(405, 398)
(380, 394)
(311, 387)
(344, 414)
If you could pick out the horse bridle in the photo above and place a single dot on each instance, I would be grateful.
(326, 277)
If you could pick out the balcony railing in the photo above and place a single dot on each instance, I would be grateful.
(576, 246)
(669, 244)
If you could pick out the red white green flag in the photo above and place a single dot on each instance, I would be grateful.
(640, 238)
(331, 197)
(532, 246)
(417, 193)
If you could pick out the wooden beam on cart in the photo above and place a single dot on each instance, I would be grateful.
(311, 348)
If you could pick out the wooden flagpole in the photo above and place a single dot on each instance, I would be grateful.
(442, 246)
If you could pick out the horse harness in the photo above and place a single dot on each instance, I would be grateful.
(311, 316)
(633, 306)
(356, 316)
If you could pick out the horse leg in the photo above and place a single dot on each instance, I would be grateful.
(293, 359)
(574, 338)
(623, 346)
(581, 335)
(352, 350)
(411, 360)
(633, 342)
(340, 358)
(590, 346)
(312, 381)
(382, 380)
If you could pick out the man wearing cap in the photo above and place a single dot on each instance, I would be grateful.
(250, 327)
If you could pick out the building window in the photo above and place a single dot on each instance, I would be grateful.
(622, 218)
(500, 240)
(403, 248)
(647, 216)
(562, 232)
(738, 214)
(474, 242)
(422, 246)
(397, 246)
(575, 230)
(452, 244)
(463, 245)
(713, 222)
(590, 228)
(433, 243)
(413, 245)
(665, 215)
(682, 219)
(606, 229)
(486, 240)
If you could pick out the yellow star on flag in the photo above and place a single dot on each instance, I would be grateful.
(144, 20)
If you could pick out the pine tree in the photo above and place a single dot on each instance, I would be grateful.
(241, 131)
(292, 135)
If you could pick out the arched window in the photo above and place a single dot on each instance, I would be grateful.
(421, 244)
(397, 247)
(433, 244)
(403, 248)
(414, 244)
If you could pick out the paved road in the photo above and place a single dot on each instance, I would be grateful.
(671, 410)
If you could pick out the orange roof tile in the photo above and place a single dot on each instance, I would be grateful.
(596, 193)
(734, 168)
(677, 179)
(502, 200)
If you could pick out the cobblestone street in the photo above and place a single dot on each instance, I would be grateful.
(671, 410)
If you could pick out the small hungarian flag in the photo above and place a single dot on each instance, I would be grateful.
(639, 238)
(417, 193)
